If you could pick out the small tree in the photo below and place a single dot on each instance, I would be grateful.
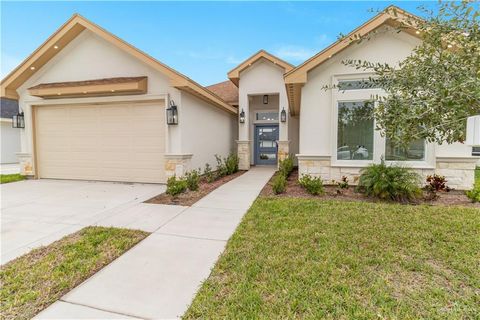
(432, 92)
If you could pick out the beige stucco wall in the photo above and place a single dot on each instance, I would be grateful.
(90, 57)
(206, 131)
(10, 142)
(317, 115)
(265, 78)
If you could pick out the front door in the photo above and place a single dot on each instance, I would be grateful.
(266, 137)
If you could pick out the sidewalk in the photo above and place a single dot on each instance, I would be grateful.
(158, 278)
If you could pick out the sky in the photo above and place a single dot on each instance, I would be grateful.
(202, 40)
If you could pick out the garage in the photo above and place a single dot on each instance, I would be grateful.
(107, 142)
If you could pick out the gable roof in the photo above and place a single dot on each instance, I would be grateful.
(225, 90)
(69, 31)
(234, 74)
(297, 77)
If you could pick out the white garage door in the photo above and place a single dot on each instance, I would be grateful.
(115, 142)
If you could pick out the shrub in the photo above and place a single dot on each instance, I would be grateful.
(226, 166)
(313, 185)
(193, 179)
(176, 186)
(231, 163)
(474, 194)
(389, 182)
(279, 183)
(221, 168)
(208, 174)
(343, 184)
(437, 183)
(286, 166)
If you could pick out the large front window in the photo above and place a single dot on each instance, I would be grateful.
(355, 134)
(414, 152)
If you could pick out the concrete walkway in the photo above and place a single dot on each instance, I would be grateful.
(158, 278)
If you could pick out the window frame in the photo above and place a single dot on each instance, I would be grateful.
(379, 142)
(256, 112)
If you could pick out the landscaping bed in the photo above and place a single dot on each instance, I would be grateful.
(37, 279)
(189, 197)
(305, 258)
(293, 189)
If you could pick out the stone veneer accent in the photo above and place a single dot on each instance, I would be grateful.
(26, 164)
(177, 164)
(283, 149)
(459, 172)
(243, 152)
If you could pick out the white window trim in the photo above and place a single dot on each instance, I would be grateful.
(379, 142)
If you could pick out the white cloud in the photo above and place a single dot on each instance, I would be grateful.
(8, 63)
(294, 53)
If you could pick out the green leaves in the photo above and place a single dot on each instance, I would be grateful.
(433, 91)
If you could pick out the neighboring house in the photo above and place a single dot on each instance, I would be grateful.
(10, 137)
(95, 109)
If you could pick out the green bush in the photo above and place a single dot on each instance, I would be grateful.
(390, 182)
(231, 163)
(193, 179)
(279, 183)
(474, 194)
(286, 166)
(313, 185)
(176, 186)
(226, 166)
(208, 174)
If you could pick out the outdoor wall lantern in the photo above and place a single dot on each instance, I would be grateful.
(172, 113)
(242, 116)
(283, 115)
(265, 99)
(473, 131)
(18, 121)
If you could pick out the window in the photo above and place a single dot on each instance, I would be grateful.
(475, 151)
(267, 116)
(344, 85)
(355, 130)
(414, 152)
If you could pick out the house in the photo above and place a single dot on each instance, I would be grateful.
(97, 108)
(10, 137)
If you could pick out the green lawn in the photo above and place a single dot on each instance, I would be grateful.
(34, 281)
(6, 178)
(301, 258)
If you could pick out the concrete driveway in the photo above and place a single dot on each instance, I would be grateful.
(38, 212)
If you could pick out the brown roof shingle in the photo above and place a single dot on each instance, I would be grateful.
(225, 90)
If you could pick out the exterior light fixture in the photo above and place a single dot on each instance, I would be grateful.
(55, 47)
(18, 121)
(172, 114)
(32, 68)
(283, 115)
(265, 99)
(242, 117)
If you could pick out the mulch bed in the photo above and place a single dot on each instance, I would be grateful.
(294, 190)
(190, 197)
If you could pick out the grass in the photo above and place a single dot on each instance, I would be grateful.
(6, 178)
(33, 281)
(304, 258)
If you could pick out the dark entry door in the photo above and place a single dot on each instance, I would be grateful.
(266, 137)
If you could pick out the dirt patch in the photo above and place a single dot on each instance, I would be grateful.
(190, 197)
(294, 190)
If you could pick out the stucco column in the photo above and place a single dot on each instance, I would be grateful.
(243, 152)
